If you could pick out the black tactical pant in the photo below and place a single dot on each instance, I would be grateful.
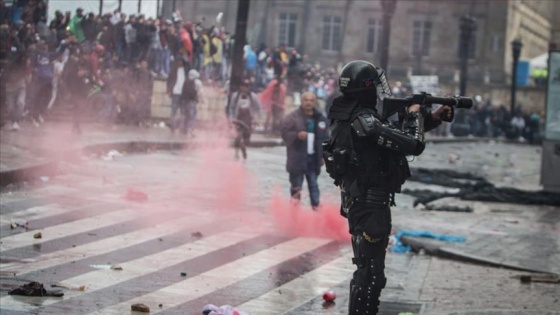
(369, 218)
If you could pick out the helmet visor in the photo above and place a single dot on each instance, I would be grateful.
(382, 85)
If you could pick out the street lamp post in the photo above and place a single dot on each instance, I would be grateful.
(467, 27)
(388, 7)
(239, 41)
(516, 46)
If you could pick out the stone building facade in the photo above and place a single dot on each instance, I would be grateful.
(424, 33)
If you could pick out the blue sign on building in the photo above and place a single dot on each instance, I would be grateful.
(523, 72)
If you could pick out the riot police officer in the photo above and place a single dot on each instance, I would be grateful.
(367, 158)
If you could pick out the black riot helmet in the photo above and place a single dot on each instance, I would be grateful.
(361, 78)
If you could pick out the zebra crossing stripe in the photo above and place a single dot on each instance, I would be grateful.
(39, 212)
(101, 279)
(302, 289)
(215, 279)
(108, 244)
(79, 226)
(69, 228)
(98, 280)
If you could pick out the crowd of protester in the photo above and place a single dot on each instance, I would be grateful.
(106, 64)
(101, 63)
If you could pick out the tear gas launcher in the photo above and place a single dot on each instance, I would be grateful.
(392, 105)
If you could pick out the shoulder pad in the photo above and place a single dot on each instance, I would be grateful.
(365, 124)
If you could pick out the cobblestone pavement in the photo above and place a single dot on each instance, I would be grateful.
(228, 226)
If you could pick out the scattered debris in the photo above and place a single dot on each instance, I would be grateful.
(400, 247)
(450, 208)
(211, 309)
(18, 223)
(80, 288)
(44, 178)
(474, 188)
(329, 296)
(34, 289)
(38, 235)
(116, 267)
(139, 307)
(183, 274)
(111, 155)
(196, 234)
(505, 210)
(136, 195)
(101, 266)
(453, 158)
(539, 278)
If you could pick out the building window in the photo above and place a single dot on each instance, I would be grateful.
(373, 35)
(496, 43)
(332, 31)
(421, 31)
(287, 29)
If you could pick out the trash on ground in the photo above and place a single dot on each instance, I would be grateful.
(15, 223)
(475, 188)
(38, 235)
(80, 288)
(34, 289)
(140, 307)
(539, 278)
(211, 309)
(101, 266)
(450, 208)
(44, 178)
(136, 195)
(399, 247)
(183, 274)
(453, 158)
(116, 267)
(196, 234)
(329, 296)
(111, 155)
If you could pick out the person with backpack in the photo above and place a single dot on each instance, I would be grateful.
(366, 156)
(244, 106)
(191, 96)
(175, 83)
(303, 131)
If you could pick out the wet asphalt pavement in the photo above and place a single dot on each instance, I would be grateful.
(226, 224)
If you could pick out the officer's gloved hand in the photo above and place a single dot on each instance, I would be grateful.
(444, 113)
